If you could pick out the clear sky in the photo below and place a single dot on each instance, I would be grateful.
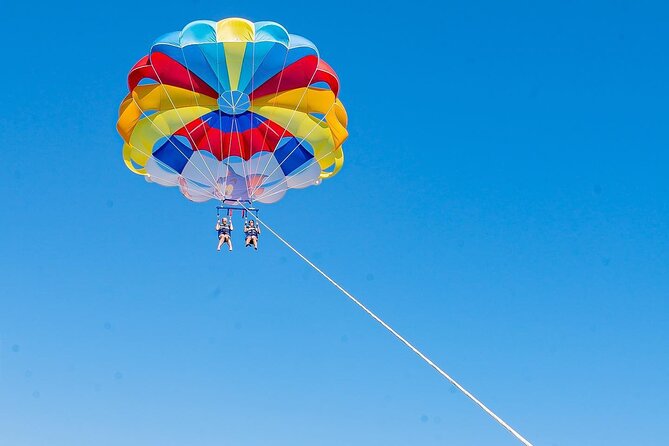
(503, 205)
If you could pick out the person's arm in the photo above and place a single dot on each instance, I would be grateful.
(258, 229)
(218, 225)
(231, 228)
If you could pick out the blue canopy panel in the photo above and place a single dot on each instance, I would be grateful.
(174, 154)
(232, 123)
(292, 155)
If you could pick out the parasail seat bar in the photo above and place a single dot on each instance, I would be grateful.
(230, 206)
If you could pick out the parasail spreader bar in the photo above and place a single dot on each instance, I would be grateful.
(229, 207)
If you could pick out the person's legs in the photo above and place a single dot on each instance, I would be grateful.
(228, 240)
(248, 241)
(255, 242)
(221, 239)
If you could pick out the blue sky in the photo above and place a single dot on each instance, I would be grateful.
(503, 206)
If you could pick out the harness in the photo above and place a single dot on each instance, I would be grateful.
(251, 231)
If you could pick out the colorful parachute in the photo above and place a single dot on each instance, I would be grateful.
(233, 110)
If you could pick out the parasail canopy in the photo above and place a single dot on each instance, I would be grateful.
(233, 110)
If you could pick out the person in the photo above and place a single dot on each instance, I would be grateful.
(252, 232)
(223, 227)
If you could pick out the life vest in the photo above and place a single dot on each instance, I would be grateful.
(251, 231)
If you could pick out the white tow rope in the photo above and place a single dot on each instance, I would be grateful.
(398, 336)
